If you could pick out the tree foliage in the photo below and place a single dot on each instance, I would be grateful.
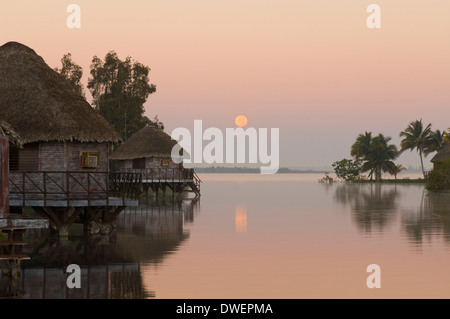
(157, 123)
(396, 169)
(376, 154)
(361, 147)
(416, 137)
(72, 72)
(435, 143)
(119, 90)
(380, 157)
(347, 169)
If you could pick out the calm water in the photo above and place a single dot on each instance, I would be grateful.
(253, 236)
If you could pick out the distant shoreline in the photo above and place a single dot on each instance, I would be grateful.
(246, 170)
(282, 170)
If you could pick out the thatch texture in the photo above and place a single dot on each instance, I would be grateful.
(14, 138)
(147, 142)
(40, 104)
(442, 154)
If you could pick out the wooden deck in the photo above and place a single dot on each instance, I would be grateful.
(74, 189)
(19, 222)
(166, 180)
(178, 181)
(24, 202)
(65, 197)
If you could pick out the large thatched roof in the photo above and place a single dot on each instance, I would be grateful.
(147, 142)
(41, 106)
(5, 129)
(442, 154)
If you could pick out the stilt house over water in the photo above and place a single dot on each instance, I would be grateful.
(149, 152)
(64, 161)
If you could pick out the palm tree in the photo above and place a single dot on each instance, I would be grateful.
(397, 169)
(416, 137)
(435, 143)
(361, 147)
(380, 157)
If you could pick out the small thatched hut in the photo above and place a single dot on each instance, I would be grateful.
(148, 151)
(59, 129)
(443, 154)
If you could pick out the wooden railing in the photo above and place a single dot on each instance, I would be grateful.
(70, 185)
(163, 173)
(197, 180)
(125, 185)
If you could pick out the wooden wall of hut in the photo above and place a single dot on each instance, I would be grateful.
(4, 180)
(60, 156)
(153, 167)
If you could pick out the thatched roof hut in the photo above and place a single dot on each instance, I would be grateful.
(14, 138)
(149, 141)
(149, 153)
(442, 154)
(41, 106)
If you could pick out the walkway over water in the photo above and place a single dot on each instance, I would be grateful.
(74, 189)
(68, 197)
(176, 180)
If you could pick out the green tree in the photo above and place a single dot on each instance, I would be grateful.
(380, 157)
(435, 143)
(119, 90)
(376, 154)
(361, 147)
(396, 170)
(158, 123)
(347, 169)
(72, 72)
(415, 136)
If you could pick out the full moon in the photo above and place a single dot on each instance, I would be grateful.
(241, 120)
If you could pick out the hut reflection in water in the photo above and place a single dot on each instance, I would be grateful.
(110, 269)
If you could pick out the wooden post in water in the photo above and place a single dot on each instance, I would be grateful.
(4, 176)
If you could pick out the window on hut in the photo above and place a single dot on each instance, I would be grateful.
(139, 163)
(25, 159)
(13, 158)
(90, 159)
(165, 163)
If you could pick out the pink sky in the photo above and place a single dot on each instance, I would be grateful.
(311, 68)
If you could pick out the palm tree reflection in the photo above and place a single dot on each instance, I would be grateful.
(430, 219)
(373, 206)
